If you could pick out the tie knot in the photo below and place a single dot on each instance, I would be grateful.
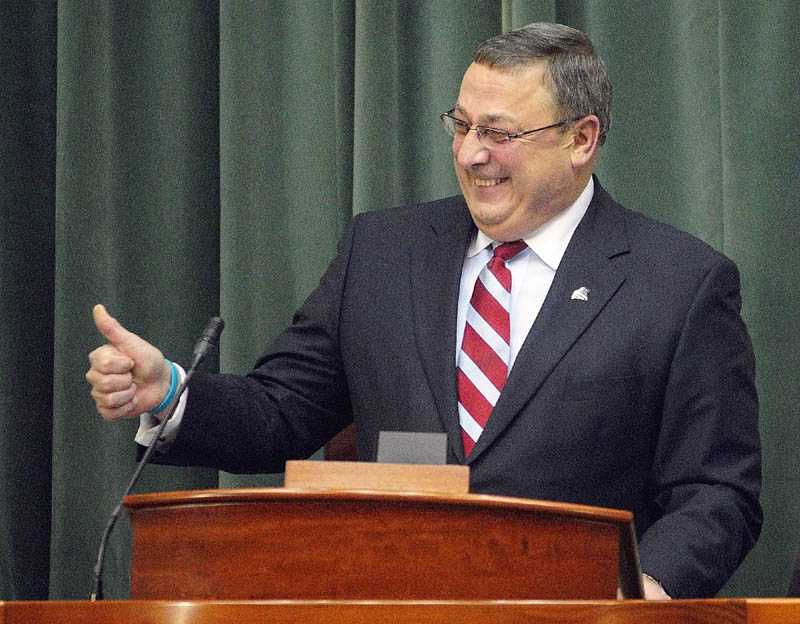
(506, 251)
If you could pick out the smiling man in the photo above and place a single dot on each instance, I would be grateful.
(513, 185)
(570, 349)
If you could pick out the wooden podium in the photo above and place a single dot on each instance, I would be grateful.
(349, 531)
(389, 544)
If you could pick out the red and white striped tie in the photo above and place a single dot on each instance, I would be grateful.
(484, 356)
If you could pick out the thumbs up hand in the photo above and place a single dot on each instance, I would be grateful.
(128, 375)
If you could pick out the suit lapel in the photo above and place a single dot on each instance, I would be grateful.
(591, 261)
(435, 277)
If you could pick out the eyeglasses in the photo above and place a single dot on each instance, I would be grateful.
(491, 138)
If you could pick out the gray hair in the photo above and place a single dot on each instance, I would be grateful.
(579, 78)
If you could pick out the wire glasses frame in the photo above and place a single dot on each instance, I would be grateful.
(491, 137)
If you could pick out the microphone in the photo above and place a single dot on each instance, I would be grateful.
(207, 341)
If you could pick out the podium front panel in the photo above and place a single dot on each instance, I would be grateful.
(296, 545)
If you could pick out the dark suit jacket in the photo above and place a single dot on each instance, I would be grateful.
(641, 398)
(794, 582)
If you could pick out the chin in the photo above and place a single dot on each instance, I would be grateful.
(498, 230)
(488, 214)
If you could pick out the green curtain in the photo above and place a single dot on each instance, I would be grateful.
(177, 159)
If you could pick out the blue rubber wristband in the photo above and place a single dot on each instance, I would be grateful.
(173, 386)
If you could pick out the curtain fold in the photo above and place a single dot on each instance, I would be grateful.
(137, 228)
(409, 59)
(27, 192)
(176, 160)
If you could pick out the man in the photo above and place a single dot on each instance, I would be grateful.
(623, 376)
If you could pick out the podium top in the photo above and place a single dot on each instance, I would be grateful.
(274, 494)
(446, 484)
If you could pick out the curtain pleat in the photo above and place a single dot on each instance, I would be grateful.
(137, 228)
(27, 192)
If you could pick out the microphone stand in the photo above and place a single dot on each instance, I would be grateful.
(206, 342)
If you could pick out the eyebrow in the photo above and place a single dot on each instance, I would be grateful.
(487, 119)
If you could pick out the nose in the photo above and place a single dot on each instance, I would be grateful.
(468, 150)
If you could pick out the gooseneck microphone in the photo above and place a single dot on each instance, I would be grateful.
(207, 341)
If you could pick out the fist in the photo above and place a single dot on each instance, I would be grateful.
(128, 375)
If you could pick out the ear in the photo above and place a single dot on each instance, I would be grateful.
(585, 135)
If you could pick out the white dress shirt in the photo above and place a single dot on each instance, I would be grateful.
(532, 270)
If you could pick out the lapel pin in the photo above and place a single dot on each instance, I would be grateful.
(581, 293)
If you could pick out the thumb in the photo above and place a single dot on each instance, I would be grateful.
(143, 354)
(110, 327)
(150, 372)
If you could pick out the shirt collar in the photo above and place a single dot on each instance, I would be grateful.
(549, 241)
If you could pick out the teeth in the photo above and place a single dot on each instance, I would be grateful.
(488, 181)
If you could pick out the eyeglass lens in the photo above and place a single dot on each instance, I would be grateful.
(489, 137)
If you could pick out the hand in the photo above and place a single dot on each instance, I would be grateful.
(128, 376)
(653, 589)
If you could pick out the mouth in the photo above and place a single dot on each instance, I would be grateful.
(488, 181)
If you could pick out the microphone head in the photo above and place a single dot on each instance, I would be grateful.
(208, 339)
(213, 330)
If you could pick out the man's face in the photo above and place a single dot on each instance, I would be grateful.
(512, 189)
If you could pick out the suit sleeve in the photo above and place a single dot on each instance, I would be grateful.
(706, 474)
(293, 401)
